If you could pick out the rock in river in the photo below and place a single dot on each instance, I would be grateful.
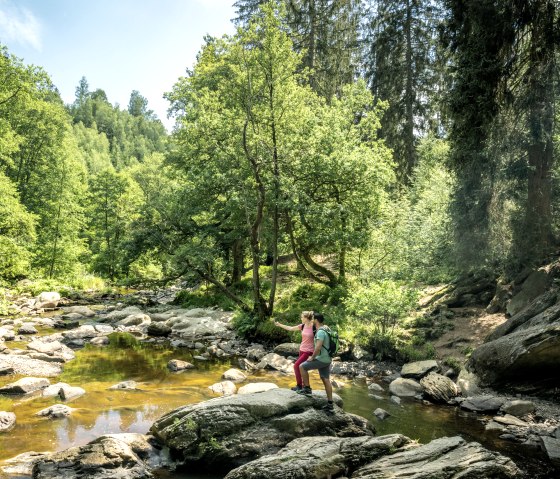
(230, 431)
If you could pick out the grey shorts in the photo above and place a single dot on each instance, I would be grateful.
(323, 368)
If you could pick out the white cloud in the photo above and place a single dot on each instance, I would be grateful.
(19, 25)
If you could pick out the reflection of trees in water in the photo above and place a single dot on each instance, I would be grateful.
(118, 363)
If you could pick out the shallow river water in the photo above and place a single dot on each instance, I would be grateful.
(101, 411)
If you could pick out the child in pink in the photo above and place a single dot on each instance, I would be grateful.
(306, 347)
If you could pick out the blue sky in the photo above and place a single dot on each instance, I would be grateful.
(118, 45)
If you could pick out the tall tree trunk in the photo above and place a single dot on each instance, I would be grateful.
(538, 229)
(410, 159)
(312, 42)
(237, 259)
(260, 306)
(275, 219)
(55, 245)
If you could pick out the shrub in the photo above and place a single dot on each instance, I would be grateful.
(382, 305)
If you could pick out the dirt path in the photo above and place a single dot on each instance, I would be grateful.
(469, 328)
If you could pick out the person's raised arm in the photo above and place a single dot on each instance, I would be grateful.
(287, 328)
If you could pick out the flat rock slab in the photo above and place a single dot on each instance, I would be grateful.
(518, 407)
(25, 386)
(444, 458)
(179, 365)
(419, 369)
(510, 420)
(81, 310)
(52, 348)
(252, 388)
(125, 385)
(319, 457)
(483, 403)
(230, 431)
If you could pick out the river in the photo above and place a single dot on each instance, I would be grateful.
(101, 411)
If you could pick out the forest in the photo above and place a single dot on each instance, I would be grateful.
(331, 154)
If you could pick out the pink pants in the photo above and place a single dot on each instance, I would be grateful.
(303, 355)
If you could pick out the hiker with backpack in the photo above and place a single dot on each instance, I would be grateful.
(325, 346)
(306, 347)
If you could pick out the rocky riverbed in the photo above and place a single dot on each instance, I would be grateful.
(255, 426)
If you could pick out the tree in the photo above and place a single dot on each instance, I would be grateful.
(138, 106)
(404, 67)
(114, 201)
(239, 109)
(17, 233)
(505, 55)
(325, 32)
(339, 189)
(477, 33)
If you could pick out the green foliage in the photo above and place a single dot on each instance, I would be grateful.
(453, 363)
(414, 239)
(245, 324)
(17, 233)
(204, 297)
(113, 205)
(413, 352)
(380, 305)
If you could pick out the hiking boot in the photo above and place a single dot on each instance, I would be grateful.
(305, 390)
(329, 407)
(297, 388)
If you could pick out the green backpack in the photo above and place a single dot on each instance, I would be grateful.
(333, 341)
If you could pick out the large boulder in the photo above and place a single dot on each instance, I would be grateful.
(47, 300)
(276, 362)
(230, 431)
(116, 456)
(526, 355)
(444, 458)
(287, 349)
(536, 284)
(439, 388)
(320, 457)
(403, 387)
